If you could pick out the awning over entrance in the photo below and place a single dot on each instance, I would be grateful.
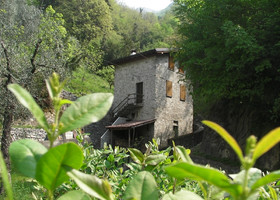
(130, 125)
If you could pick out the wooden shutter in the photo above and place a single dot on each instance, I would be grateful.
(171, 63)
(181, 70)
(169, 88)
(182, 92)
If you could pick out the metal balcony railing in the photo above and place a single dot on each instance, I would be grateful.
(130, 100)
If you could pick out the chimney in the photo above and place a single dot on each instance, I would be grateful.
(133, 52)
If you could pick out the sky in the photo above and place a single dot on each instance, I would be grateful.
(155, 5)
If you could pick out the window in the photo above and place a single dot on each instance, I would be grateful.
(169, 88)
(182, 92)
(181, 68)
(175, 128)
(139, 92)
(171, 63)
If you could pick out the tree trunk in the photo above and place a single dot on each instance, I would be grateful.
(6, 133)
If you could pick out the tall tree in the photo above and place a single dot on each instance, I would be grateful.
(33, 45)
(231, 49)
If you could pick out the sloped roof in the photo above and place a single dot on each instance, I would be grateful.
(141, 55)
(131, 124)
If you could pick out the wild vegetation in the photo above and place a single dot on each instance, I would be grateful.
(152, 175)
(76, 39)
(230, 50)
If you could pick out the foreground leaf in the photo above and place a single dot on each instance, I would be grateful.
(50, 171)
(5, 178)
(24, 97)
(182, 195)
(136, 155)
(266, 143)
(141, 187)
(155, 159)
(92, 185)
(25, 154)
(75, 195)
(87, 109)
(183, 153)
(273, 176)
(226, 136)
(199, 173)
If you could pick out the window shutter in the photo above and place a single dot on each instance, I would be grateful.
(183, 92)
(181, 70)
(168, 88)
(171, 63)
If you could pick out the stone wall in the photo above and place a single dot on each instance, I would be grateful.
(171, 111)
(35, 134)
(22, 133)
(126, 77)
(153, 72)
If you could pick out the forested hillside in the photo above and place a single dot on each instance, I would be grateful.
(231, 52)
(74, 38)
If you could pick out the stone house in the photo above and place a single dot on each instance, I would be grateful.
(151, 100)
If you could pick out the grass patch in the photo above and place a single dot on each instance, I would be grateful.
(82, 82)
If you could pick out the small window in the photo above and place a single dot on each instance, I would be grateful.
(139, 92)
(169, 88)
(171, 63)
(175, 128)
(182, 92)
(181, 70)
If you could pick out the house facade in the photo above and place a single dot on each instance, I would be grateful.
(151, 100)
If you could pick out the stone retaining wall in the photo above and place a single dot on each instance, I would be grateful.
(30, 133)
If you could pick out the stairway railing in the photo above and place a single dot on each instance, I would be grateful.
(130, 99)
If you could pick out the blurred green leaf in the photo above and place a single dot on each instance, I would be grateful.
(273, 176)
(136, 155)
(5, 178)
(226, 136)
(92, 185)
(253, 175)
(142, 187)
(266, 143)
(184, 153)
(182, 195)
(50, 171)
(273, 193)
(25, 154)
(196, 172)
(24, 97)
(155, 159)
(75, 195)
(87, 109)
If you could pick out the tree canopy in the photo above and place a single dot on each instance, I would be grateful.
(231, 49)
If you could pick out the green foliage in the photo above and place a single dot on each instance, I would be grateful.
(60, 158)
(27, 101)
(84, 82)
(75, 195)
(141, 187)
(51, 166)
(245, 185)
(87, 109)
(5, 177)
(25, 155)
(154, 174)
(230, 51)
(92, 185)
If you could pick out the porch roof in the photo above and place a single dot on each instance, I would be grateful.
(131, 124)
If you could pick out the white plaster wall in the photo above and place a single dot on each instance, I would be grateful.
(126, 77)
